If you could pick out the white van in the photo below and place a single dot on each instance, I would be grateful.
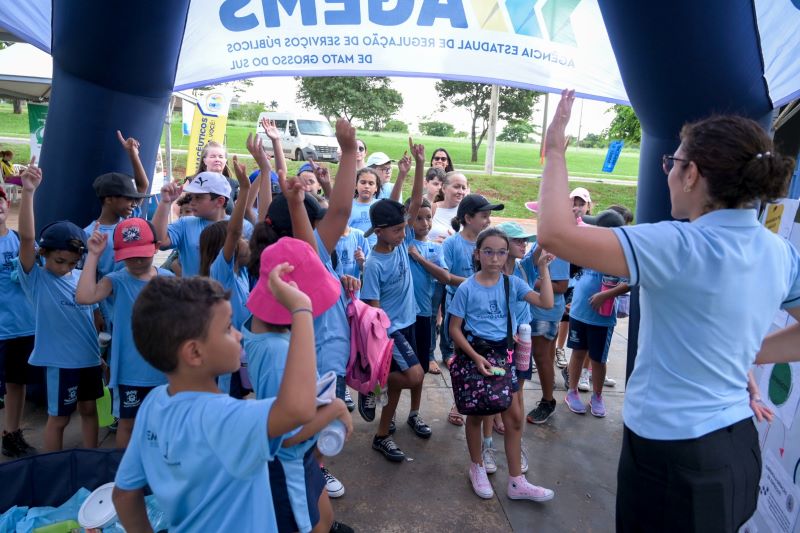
(302, 136)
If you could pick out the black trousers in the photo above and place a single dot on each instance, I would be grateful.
(707, 484)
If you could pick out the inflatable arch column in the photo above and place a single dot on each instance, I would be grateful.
(113, 68)
(681, 61)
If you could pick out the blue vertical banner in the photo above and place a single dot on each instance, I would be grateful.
(614, 150)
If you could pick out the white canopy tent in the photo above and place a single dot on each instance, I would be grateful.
(25, 72)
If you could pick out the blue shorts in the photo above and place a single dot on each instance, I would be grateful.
(595, 339)
(282, 499)
(68, 386)
(14, 355)
(544, 328)
(128, 399)
(403, 354)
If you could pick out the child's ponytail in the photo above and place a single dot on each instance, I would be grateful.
(456, 223)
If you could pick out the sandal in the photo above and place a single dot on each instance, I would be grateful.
(497, 425)
(433, 368)
(454, 417)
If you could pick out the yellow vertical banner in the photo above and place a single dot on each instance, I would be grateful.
(210, 120)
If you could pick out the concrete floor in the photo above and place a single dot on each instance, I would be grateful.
(574, 455)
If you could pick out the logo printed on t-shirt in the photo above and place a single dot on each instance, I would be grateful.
(8, 258)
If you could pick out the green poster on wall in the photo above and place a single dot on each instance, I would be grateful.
(37, 115)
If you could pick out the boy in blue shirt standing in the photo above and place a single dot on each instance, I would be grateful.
(132, 378)
(66, 338)
(388, 284)
(202, 453)
(17, 325)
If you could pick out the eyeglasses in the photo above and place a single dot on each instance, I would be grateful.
(439, 158)
(362, 149)
(387, 168)
(488, 253)
(668, 161)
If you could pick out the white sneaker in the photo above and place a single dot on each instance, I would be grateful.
(489, 460)
(524, 461)
(583, 381)
(609, 382)
(520, 489)
(561, 357)
(333, 485)
(480, 482)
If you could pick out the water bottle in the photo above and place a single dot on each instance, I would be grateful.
(522, 348)
(606, 284)
(384, 398)
(331, 438)
(103, 340)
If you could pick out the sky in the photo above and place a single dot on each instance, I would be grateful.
(421, 103)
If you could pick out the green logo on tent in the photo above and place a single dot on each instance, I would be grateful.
(39, 133)
(780, 384)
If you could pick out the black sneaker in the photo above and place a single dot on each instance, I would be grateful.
(348, 400)
(421, 429)
(366, 406)
(388, 448)
(565, 375)
(392, 426)
(338, 527)
(544, 410)
(10, 447)
(22, 444)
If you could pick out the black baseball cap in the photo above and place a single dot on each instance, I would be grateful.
(475, 203)
(385, 214)
(116, 184)
(605, 219)
(278, 213)
(63, 235)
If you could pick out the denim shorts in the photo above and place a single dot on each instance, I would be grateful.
(544, 328)
(403, 354)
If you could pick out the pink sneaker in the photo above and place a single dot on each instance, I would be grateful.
(480, 482)
(597, 405)
(520, 489)
(574, 402)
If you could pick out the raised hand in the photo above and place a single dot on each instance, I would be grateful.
(322, 174)
(287, 293)
(346, 135)
(130, 144)
(545, 259)
(170, 192)
(270, 129)
(404, 164)
(241, 174)
(255, 145)
(97, 242)
(31, 177)
(555, 140)
(417, 151)
(359, 257)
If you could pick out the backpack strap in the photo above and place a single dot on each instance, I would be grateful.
(509, 334)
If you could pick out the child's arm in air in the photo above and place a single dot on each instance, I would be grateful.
(131, 509)
(403, 166)
(325, 415)
(131, 146)
(236, 222)
(264, 190)
(418, 152)
(89, 290)
(31, 179)
(335, 222)
(296, 403)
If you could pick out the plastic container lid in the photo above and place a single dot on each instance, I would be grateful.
(98, 510)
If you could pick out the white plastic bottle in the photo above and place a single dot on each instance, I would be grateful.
(522, 348)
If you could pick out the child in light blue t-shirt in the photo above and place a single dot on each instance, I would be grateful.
(132, 378)
(295, 474)
(388, 284)
(427, 268)
(352, 251)
(479, 328)
(224, 255)
(202, 453)
(368, 186)
(66, 338)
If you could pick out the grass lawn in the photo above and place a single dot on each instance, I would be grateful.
(511, 157)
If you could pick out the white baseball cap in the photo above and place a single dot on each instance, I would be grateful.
(378, 158)
(209, 183)
(581, 193)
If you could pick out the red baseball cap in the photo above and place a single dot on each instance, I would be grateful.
(134, 237)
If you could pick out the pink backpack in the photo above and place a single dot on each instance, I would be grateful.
(370, 347)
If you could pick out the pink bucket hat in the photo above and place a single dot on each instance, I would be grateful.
(309, 274)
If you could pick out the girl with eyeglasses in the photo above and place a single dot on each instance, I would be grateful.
(479, 328)
(708, 291)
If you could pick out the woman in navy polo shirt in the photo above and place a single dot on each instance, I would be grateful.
(709, 289)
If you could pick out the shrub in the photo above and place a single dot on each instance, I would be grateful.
(396, 126)
(248, 111)
(436, 128)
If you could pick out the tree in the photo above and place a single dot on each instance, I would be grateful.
(370, 99)
(436, 128)
(625, 126)
(517, 131)
(515, 104)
